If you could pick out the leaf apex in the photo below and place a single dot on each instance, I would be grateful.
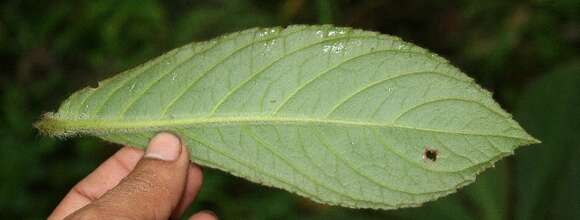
(535, 140)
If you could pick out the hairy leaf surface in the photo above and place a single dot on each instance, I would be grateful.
(344, 117)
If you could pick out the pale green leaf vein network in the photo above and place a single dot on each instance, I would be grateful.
(103, 126)
(375, 112)
(480, 150)
(349, 164)
(161, 77)
(290, 164)
(225, 59)
(298, 190)
(441, 143)
(125, 81)
(379, 82)
(389, 148)
(253, 76)
(324, 136)
(87, 92)
(123, 112)
(492, 144)
(180, 94)
(300, 141)
(293, 93)
(406, 111)
(92, 91)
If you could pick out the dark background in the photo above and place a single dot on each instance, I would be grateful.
(526, 52)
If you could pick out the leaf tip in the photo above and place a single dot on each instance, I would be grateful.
(531, 139)
(535, 140)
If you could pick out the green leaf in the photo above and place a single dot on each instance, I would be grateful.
(341, 116)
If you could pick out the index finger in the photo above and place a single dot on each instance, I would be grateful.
(101, 180)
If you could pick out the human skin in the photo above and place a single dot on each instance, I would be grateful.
(158, 183)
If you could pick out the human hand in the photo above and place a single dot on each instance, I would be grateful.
(159, 183)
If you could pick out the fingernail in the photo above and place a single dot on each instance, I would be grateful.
(209, 212)
(164, 146)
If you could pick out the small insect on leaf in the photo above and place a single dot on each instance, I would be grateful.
(337, 115)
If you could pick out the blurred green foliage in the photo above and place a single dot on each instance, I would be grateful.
(527, 52)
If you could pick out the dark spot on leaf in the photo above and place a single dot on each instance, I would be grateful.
(430, 154)
(94, 85)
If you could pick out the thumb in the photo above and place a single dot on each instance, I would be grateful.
(154, 188)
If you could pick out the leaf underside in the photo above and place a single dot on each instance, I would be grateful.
(341, 116)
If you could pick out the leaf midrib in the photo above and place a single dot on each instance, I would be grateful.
(106, 126)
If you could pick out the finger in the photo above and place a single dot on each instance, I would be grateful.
(192, 187)
(153, 189)
(101, 180)
(204, 215)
